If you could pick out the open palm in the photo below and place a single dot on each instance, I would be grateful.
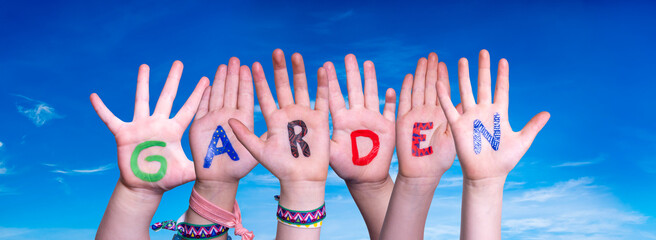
(418, 105)
(274, 151)
(494, 149)
(150, 155)
(231, 96)
(363, 114)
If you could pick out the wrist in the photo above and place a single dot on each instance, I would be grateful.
(302, 195)
(376, 186)
(418, 185)
(485, 184)
(138, 195)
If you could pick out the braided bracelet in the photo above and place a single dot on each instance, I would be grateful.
(191, 231)
(302, 219)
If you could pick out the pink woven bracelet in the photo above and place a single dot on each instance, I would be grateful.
(215, 214)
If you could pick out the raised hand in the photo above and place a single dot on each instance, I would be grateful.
(487, 146)
(363, 140)
(150, 157)
(362, 115)
(424, 143)
(296, 147)
(218, 155)
(424, 147)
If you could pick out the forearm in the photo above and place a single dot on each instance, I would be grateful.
(372, 199)
(481, 208)
(300, 196)
(408, 208)
(221, 194)
(128, 214)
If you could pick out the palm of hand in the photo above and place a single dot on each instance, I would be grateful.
(341, 151)
(150, 156)
(487, 147)
(419, 105)
(222, 167)
(441, 142)
(277, 144)
(231, 96)
(179, 169)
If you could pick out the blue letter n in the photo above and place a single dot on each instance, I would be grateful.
(480, 129)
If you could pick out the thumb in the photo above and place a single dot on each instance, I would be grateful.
(533, 127)
(253, 144)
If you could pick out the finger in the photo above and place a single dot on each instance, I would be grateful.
(464, 83)
(105, 115)
(419, 83)
(353, 82)
(141, 105)
(232, 84)
(503, 86)
(335, 97)
(264, 97)
(484, 78)
(405, 96)
(371, 100)
(533, 127)
(390, 104)
(186, 113)
(321, 103)
(281, 79)
(245, 101)
(431, 79)
(203, 107)
(301, 95)
(445, 102)
(253, 144)
(165, 101)
(459, 108)
(218, 87)
(443, 78)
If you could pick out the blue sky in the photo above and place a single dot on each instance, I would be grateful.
(591, 172)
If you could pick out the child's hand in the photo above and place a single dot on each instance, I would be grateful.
(297, 142)
(362, 115)
(424, 143)
(231, 96)
(486, 145)
(150, 156)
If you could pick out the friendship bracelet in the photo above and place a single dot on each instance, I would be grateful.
(302, 219)
(191, 231)
(215, 214)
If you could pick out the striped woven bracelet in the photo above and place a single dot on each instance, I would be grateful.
(302, 219)
(192, 231)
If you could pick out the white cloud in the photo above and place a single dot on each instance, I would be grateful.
(599, 158)
(3, 169)
(558, 190)
(512, 185)
(37, 111)
(1, 144)
(81, 171)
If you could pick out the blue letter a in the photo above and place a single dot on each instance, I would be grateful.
(480, 129)
(212, 150)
